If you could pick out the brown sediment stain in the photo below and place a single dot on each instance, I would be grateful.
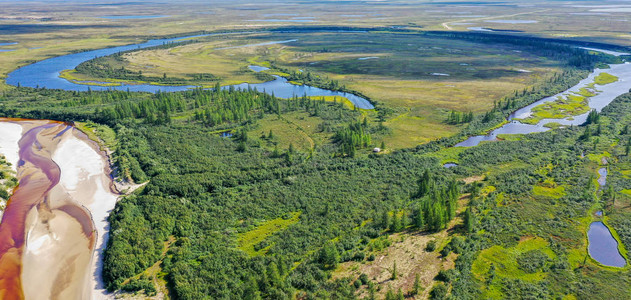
(63, 279)
(84, 218)
(37, 174)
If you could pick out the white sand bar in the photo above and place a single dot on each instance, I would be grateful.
(10, 135)
(84, 176)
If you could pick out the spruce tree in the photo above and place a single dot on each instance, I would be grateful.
(417, 284)
(394, 271)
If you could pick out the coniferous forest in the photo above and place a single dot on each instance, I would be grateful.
(227, 216)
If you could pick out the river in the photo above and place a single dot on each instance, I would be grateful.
(54, 227)
(46, 74)
(606, 94)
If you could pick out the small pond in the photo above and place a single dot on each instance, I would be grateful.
(257, 68)
(603, 247)
(602, 180)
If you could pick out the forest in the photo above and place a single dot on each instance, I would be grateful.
(207, 192)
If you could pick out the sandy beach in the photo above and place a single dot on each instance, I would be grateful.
(55, 225)
(85, 177)
(10, 134)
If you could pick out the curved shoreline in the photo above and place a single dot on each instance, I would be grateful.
(51, 243)
(47, 74)
(605, 95)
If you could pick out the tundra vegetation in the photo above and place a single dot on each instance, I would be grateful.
(249, 196)
(250, 216)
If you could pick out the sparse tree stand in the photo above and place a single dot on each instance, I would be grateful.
(390, 294)
(328, 256)
(394, 271)
(468, 220)
(417, 285)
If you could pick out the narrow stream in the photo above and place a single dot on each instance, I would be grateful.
(606, 94)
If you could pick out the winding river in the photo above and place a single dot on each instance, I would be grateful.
(606, 94)
(46, 73)
(56, 218)
(54, 227)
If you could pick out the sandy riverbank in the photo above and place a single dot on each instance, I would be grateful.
(85, 177)
(51, 242)
(10, 134)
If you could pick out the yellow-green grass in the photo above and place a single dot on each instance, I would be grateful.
(447, 155)
(249, 239)
(416, 127)
(284, 133)
(585, 92)
(626, 192)
(347, 103)
(230, 65)
(487, 190)
(553, 125)
(510, 137)
(102, 134)
(550, 192)
(421, 102)
(598, 158)
(605, 78)
(564, 106)
(78, 78)
(568, 105)
(506, 266)
(548, 188)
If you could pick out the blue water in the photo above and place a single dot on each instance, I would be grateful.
(133, 17)
(8, 44)
(45, 73)
(258, 68)
(606, 94)
(602, 180)
(283, 89)
(603, 247)
(450, 165)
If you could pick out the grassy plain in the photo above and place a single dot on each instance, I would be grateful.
(419, 79)
(62, 27)
(249, 240)
(400, 78)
